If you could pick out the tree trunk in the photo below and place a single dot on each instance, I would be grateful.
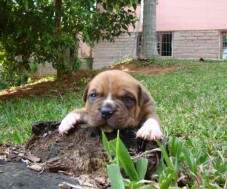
(74, 53)
(58, 15)
(149, 45)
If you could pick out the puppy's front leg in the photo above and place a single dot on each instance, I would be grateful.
(71, 119)
(150, 130)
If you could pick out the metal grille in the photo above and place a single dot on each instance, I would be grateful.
(224, 45)
(164, 44)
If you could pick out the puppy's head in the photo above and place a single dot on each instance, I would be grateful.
(114, 99)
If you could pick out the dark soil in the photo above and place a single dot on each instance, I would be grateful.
(79, 154)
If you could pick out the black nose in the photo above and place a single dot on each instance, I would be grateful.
(107, 111)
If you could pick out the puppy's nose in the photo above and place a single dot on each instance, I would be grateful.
(107, 111)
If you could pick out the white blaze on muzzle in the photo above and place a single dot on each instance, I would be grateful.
(109, 101)
(108, 107)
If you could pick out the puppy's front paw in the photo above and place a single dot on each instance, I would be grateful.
(68, 122)
(150, 130)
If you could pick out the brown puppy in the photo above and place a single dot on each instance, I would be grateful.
(115, 100)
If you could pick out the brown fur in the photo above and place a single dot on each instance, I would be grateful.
(119, 84)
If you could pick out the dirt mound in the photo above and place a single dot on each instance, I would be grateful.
(78, 154)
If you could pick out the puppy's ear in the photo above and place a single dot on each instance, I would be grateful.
(143, 96)
(85, 93)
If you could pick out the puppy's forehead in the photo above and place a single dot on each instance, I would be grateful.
(113, 81)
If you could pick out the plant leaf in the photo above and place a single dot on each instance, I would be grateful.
(124, 159)
(106, 145)
(116, 179)
(166, 181)
(166, 157)
(141, 167)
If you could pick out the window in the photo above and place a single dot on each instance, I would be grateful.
(224, 46)
(164, 44)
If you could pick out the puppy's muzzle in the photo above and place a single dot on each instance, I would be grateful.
(107, 111)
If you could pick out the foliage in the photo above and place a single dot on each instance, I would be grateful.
(120, 158)
(178, 167)
(29, 31)
(191, 103)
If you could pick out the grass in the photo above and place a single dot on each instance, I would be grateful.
(191, 103)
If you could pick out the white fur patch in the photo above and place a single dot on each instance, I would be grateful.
(68, 122)
(150, 130)
(108, 100)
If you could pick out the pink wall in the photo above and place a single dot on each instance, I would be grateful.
(191, 15)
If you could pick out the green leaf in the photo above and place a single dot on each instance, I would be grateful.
(175, 147)
(112, 146)
(191, 161)
(116, 179)
(166, 181)
(106, 145)
(169, 175)
(124, 159)
(166, 157)
(141, 167)
(105, 141)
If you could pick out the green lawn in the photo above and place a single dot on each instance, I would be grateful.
(191, 103)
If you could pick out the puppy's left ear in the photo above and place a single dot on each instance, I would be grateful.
(85, 93)
(143, 96)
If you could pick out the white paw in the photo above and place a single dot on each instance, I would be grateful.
(68, 122)
(150, 130)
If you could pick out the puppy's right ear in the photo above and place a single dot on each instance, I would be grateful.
(143, 97)
(85, 93)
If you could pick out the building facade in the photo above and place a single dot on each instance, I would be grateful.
(192, 29)
(185, 29)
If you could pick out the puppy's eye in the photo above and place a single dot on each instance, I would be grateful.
(92, 96)
(128, 101)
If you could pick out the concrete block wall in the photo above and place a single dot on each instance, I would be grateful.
(107, 53)
(44, 70)
(196, 44)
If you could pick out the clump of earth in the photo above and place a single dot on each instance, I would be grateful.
(77, 159)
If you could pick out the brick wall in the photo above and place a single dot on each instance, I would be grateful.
(107, 53)
(196, 44)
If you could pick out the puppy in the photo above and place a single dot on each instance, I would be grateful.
(115, 100)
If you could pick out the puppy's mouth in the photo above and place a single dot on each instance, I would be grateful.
(116, 122)
(112, 124)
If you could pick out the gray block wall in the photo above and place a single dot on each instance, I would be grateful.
(186, 45)
(107, 53)
(196, 44)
